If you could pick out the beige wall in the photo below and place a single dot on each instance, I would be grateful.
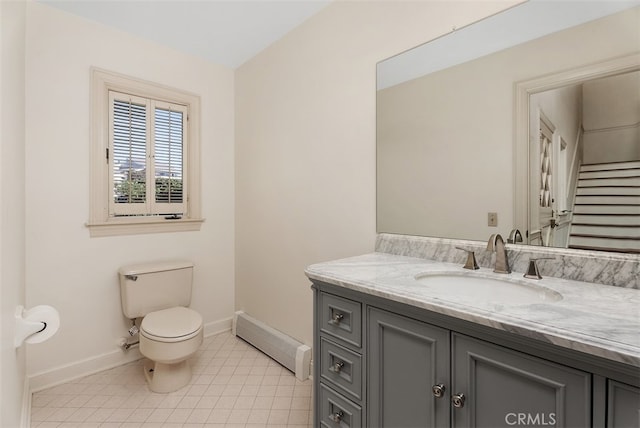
(12, 202)
(305, 147)
(65, 267)
(444, 159)
(612, 119)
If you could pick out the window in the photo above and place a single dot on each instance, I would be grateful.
(147, 140)
(145, 166)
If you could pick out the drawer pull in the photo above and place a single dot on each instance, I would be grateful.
(337, 318)
(458, 400)
(337, 366)
(337, 416)
(438, 390)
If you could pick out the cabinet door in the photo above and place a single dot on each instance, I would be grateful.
(406, 358)
(623, 406)
(505, 388)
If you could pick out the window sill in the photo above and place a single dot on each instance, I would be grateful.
(117, 227)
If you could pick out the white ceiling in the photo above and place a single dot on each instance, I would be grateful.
(226, 32)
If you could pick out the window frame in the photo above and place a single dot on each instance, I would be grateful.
(101, 223)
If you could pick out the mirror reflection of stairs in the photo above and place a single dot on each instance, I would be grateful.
(606, 212)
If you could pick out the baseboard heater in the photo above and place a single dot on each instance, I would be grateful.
(287, 351)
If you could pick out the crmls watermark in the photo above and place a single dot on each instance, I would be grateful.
(530, 419)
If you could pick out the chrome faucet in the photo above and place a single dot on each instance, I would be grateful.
(496, 245)
(514, 237)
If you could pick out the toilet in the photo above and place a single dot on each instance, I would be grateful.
(170, 332)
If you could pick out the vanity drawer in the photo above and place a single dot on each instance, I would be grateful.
(341, 318)
(337, 411)
(341, 367)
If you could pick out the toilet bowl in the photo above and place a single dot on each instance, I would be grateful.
(170, 333)
(167, 339)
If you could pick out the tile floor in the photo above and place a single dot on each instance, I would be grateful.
(233, 385)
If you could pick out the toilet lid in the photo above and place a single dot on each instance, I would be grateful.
(172, 323)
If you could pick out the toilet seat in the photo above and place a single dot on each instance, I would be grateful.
(171, 325)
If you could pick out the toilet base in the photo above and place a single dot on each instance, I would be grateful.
(163, 378)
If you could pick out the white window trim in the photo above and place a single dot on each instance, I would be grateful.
(100, 223)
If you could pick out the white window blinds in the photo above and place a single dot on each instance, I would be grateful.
(146, 152)
(168, 150)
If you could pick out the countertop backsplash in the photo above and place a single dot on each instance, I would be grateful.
(617, 269)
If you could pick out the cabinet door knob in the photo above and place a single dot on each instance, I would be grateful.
(438, 390)
(337, 317)
(458, 400)
(337, 416)
(337, 366)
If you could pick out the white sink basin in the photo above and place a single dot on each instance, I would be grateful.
(479, 289)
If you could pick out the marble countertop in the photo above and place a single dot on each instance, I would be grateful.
(596, 319)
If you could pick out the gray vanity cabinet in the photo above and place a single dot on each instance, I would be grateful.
(623, 405)
(505, 388)
(384, 364)
(406, 358)
(420, 375)
(338, 362)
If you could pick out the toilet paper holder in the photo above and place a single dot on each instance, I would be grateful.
(36, 324)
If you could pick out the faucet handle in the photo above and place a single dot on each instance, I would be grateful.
(471, 259)
(532, 270)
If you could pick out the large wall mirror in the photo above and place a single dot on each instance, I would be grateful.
(495, 121)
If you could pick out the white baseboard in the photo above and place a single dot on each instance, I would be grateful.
(217, 327)
(58, 375)
(68, 372)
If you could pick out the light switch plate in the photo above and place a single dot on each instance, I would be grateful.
(492, 219)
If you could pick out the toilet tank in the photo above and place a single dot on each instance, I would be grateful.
(150, 287)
